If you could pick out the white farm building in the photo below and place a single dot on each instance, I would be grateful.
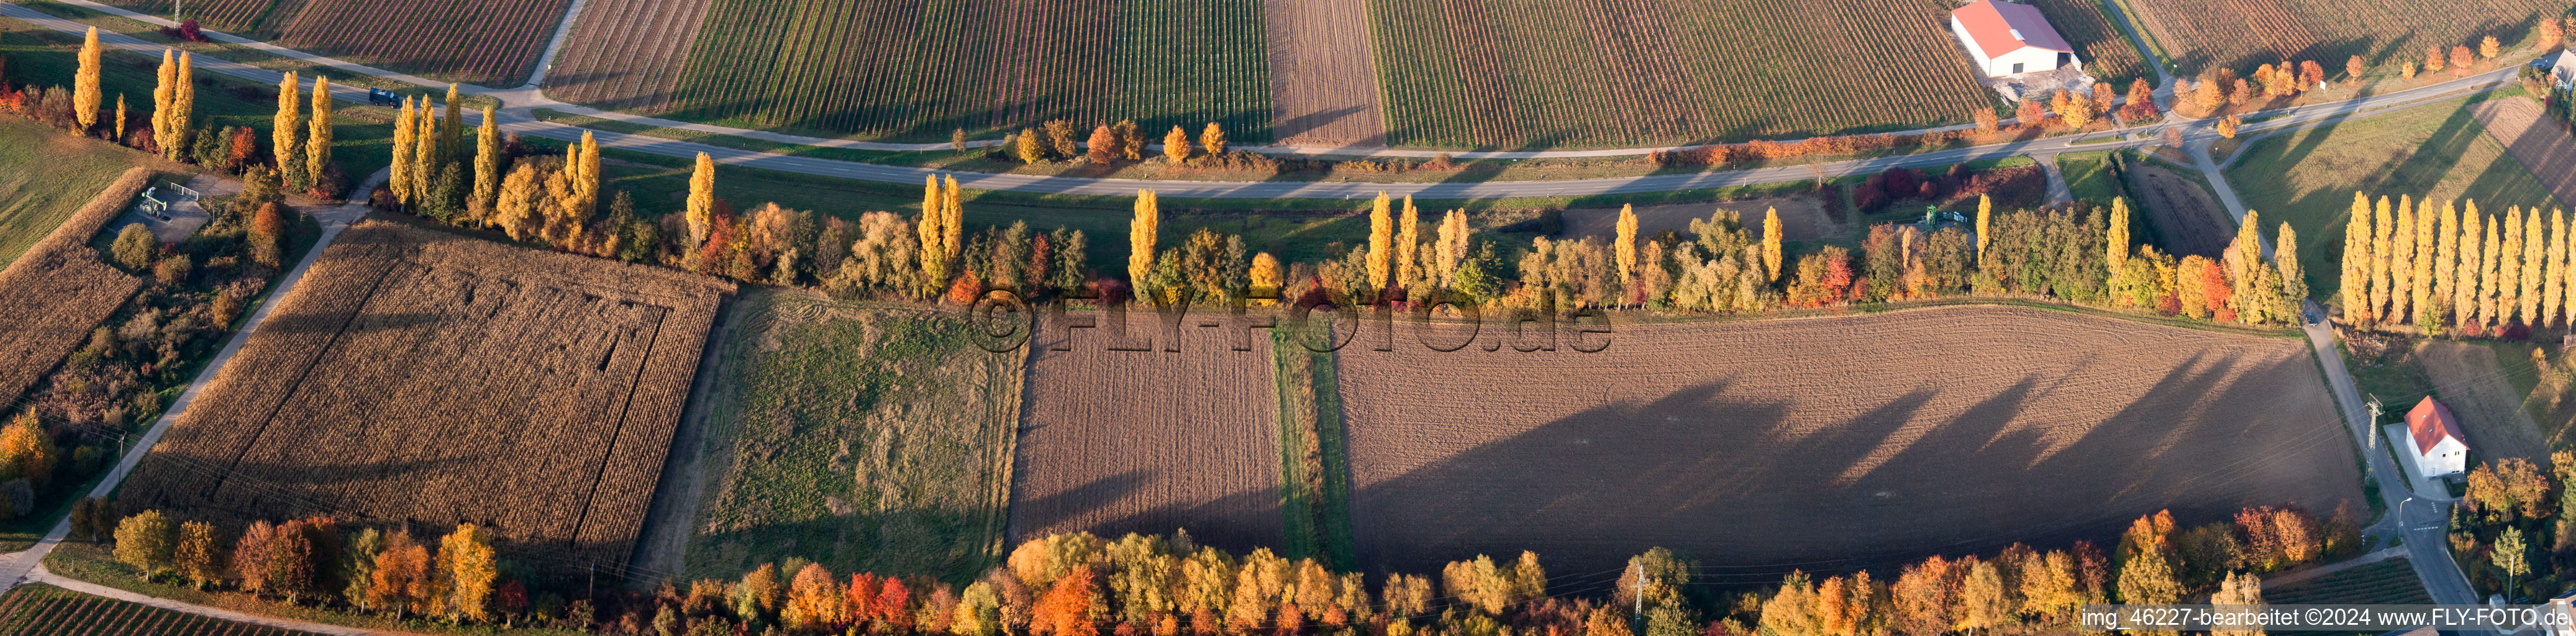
(2433, 440)
(2005, 38)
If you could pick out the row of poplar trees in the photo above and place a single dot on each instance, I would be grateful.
(300, 142)
(2454, 267)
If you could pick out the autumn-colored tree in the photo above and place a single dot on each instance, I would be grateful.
(2465, 294)
(1176, 146)
(1925, 597)
(1407, 268)
(2141, 106)
(290, 561)
(1103, 146)
(2446, 259)
(318, 137)
(451, 132)
(286, 129)
(1028, 147)
(1060, 141)
(701, 209)
(2406, 69)
(2311, 73)
(1985, 118)
(2104, 98)
(2227, 127)
(2554, 285)
(1212, 139)
(2433, 60)
(2506, 288)
(2356, 284)
(251, 555)
(467, 565)
(2488, 48)
(2243, 590)
(2535, 248)
(2208, 96)
(2116, 235)
(2384, 275)
(1131, 140)
(2285, 257)
(401, 575)
(199, 555)
(1624, 244)
(2074, 111)
(243, 150)
(2548, 34)
(1066, 608)
(147, 541)
(86, 95)
(2463, 61)
(2425, 225)
(2147, 572)
(1771, 235)
(520, 211)
(487, 170)
(815, 600)
(404, 129)
(2032, 114)
(2353, 67)
(2491, 283)
(1144, 232)
(1381, 240)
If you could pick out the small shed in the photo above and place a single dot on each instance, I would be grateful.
(2006, 38)
(2562, 69)
(2433, 437)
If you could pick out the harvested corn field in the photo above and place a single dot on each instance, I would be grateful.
(866, 438)
(60, 288)
(427, 377)
(1150, 441)
(1829, 444)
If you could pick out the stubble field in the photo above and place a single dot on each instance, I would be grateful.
(60, 288)
(425, 377)
(1150, 441)
(1829, 444)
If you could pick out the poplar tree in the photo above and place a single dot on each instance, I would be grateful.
(934, 246)
(2554, 289)
(1381, 241)
(285, 128)
(2116, 250)
(702, 200)
(1771, 237)
(317, 141)
(1985, 210)
(1408, 244)
(2401, 264)
(2427, 242)
(164, 97)
(487, 169)
(1176, 146)
(451, 137)
(2491, 283)
(118, 133)
(1143, 232)
(2464, 290)
(425, 160)
(2285, 255)
(585, 175)
(2506, 286)
(2446, 261)
(2535, 248)
(1624, 249)
(2383, 284)
(2355, 286)
(952, 210)
(86, 96)
(2245, 257)
(183, 107)
(400, 179)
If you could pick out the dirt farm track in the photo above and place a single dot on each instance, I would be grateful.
(1828, 444)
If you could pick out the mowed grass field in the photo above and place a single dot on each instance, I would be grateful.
(2435, 153)
(37, 609)
(1151, 440)
(2241, 34)
(912, 70)
(1828, 444)
(489, 42)
(1544, 73)
(864, 438)
(422, 376)
(46, 174)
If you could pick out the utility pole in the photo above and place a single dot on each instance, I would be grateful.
(2374, 421)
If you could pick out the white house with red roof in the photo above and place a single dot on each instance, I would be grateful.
(2433, 440)
(2006, 38)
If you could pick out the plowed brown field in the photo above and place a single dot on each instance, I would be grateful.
(2543, 146)
(1323, 84)
(1149, 441)
(421, 376)
(1829, 444)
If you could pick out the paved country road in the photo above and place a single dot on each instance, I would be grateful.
(520, 99)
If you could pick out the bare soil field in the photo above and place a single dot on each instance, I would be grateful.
(632, 53)
(57, 290)
(1828, 444)
(1149, 441)
(420, 376)
(2543, 147)
(2182, 212)
(1802, 218)
(865, 438)
(2466, 377)
(1323, 82)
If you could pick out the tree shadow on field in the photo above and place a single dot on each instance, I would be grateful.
(1755, 488)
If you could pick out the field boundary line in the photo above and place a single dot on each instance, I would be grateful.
(625, 409)
(356, 310)
(546, 60)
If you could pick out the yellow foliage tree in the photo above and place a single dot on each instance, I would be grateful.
(1771, 236)
(1408, 245)
(520, 210)
(2355, 284)
(1985, 210)
(2427, 243)
(86, 95)
(1176, 146)
(26, 452)
(487, 168)
(2535, 248)
(1143, 233)
(2554, 290)
(1213, 139)
(1381, 239)
(934, 233)
(2491, 281)
(702, 200)
(118, 132)
(163, 95)
(2401, 263)
(1265, 278)
(1624, 249)
(317, 139)
(2446, 260)
(2464, 290)
(2488, 48)
(400, 182)
(466, 559)
(289, 123)
(2383, 283)
(2116, 249)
